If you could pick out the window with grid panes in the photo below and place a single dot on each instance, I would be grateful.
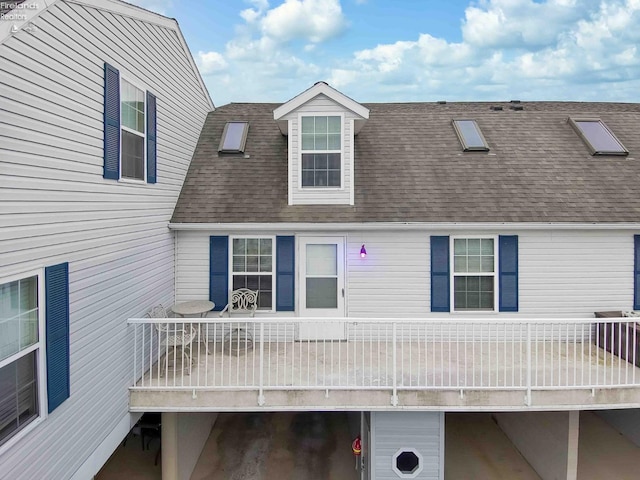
(20, 347)
(252, 268)
(474, 274)
(321, 151)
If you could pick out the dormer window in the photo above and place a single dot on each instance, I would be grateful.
(321, 124)
(234, 137)
(597, 136)
(321, 151)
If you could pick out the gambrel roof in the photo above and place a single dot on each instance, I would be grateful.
(410, 167)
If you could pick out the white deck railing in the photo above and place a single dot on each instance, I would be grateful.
(386, 353)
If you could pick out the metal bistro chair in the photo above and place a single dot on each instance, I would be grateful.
(242, 301)
(173, 336)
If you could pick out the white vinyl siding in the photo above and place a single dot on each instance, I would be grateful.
(575, 273)
(321, 105)
(192, 265)
(57, 207)
(419, 431)
(393, 279)
(561, 274)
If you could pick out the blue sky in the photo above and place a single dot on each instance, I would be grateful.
(414, 50)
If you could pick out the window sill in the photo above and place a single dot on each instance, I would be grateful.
(22, 433)
(474, 312)
(273, 313)
(133, 181)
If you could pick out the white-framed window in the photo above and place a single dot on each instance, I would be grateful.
(474, 273)
(253, 267)
(132, 131)
(321, 150)
(22, 363)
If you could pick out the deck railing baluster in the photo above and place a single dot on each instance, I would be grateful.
(395, 355)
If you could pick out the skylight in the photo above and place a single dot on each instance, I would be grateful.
(470, 136)
(598, 137)
(234, 137)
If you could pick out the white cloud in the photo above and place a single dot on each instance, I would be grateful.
(260, 4)
(436, 51)
(250, 15)
(510, 49)
(261, 58)
(340, 78)
(520, 23)
(627, 57)
(385, 58)
(553, 49)
(312, 20)
(211, 62)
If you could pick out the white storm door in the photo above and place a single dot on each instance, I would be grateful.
(321, 287)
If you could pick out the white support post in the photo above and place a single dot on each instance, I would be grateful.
(573, 436)
(169, 439)
(527, 399)
(261, 400)
(135, 355)
(394, 396)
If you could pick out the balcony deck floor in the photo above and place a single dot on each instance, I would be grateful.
(421, 366)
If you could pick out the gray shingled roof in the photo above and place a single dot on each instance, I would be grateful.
(409, 167)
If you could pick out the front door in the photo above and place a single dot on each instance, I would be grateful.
(321, 287)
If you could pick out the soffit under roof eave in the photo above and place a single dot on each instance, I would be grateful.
(318, 89)
(390, 226)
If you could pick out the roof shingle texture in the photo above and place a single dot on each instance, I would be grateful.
(410, 167)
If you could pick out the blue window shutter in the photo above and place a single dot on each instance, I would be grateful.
(219, 271)
(56, 281)
(111, 123)
(440, 280)
(508, 273)
(636, 272)
(151, 138)
(285, 273)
